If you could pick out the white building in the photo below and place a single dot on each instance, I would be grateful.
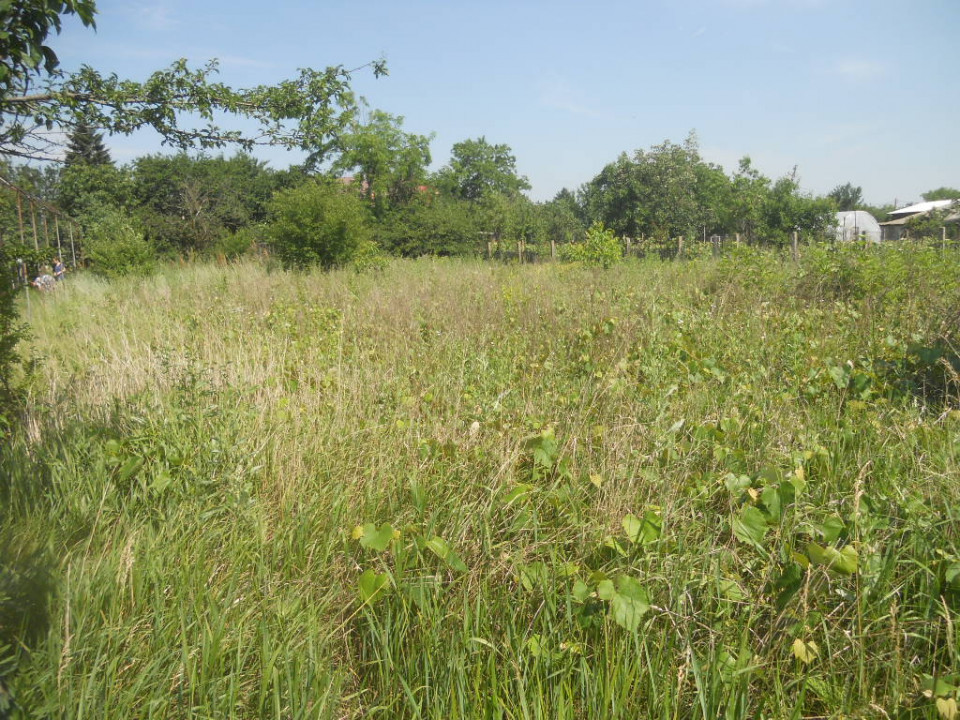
(856, 225)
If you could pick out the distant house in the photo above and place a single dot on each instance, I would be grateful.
(895, 227)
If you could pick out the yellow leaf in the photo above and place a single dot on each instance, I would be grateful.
(805, 652)
(596, 479)
(357, 532)
(947, 707)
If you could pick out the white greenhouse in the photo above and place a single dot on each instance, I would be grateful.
(856, 225)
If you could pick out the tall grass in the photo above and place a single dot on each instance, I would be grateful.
(452, 489)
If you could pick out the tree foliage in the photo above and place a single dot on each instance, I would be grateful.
(847, 197)
(941, 193)
(304, 113)
(115, 246)
(24, 28)
(318, 223)
(478, 170)
(600, 248)
(85, 147)
(662, 192)
(431, 225)
(669, 191)
(187, 203)
(389, 164)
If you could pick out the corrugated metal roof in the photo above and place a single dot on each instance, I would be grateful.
(923, 207)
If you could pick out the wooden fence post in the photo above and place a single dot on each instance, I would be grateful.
(680, 246)
(796, 254)
(520, 251)
(33, 221)
(73, 248)
(20, 217)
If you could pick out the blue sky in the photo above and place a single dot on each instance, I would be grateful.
(861, 91)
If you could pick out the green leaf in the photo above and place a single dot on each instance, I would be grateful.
(832, 528)
(161, 482)
(841, 376)
(630, 603)
(130, 468)
(643, 531)
(441, 548)
(581, 591)
(841, 562)
(945, 685)
(952, 575)
(770, 497)
(372, 586)
(750, 526)
(376, 538)
(611, 542)
(517, 492)
(606, 590)
(537, 647)
(731, 590)
(736, 484)
(534, 576)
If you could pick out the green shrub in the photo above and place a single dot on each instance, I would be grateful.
(602, 248)
(244, 241)
(115, 246)
(318, 223)
(369, 257)
(11, 332)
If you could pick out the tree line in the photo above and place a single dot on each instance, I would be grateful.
(376, 193)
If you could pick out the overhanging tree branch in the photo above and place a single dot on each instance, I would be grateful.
(306, 113)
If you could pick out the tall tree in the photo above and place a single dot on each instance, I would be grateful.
(942, 193)
(665, 191)
(85, 147)
(748, 192)
(389, 164)
(478, 170)
(185, 203)
(847, 197)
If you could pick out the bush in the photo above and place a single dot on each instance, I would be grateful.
(114, 246)
(369, 257)
(601, 248)
(11, 332)
(431, 225)
(318, 223)
(245, 241)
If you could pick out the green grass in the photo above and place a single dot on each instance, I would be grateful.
(454, 490)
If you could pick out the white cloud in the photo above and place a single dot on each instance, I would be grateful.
(858, 68)
(559, 95)
(152, 16)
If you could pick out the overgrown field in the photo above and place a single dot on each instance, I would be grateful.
(714, 488)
